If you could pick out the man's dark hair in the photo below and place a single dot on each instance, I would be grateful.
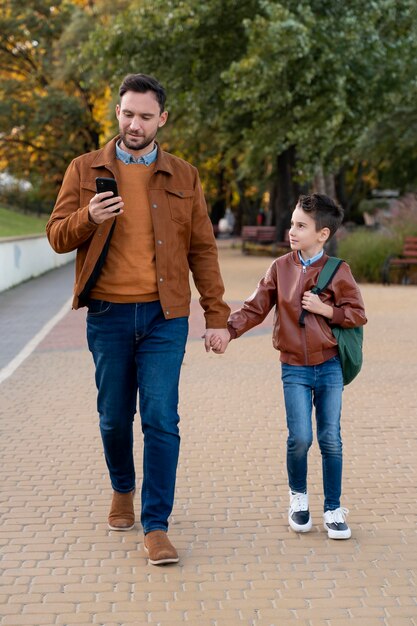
(325, 212)
(141, 83)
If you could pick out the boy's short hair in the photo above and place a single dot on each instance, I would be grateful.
(325, 212)
(141, 83)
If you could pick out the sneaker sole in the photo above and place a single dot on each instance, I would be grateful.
(119, 528)
(338, 534)
(305, 528)
(161, 561)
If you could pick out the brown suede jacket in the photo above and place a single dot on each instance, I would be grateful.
(184, 239)
(283, 286)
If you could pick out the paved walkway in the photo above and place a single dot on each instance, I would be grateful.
(27, 308)
(240, 563)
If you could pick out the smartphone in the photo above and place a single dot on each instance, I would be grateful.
(107, 184)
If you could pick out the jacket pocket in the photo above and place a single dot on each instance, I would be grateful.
(87, 191)
(180, 204)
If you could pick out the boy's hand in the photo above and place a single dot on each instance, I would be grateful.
(312, 303)
(215, 343)
(216, 339)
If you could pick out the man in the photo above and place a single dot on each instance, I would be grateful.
(134, 254)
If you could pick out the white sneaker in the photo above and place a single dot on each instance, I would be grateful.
(299, 517)
(335, 524)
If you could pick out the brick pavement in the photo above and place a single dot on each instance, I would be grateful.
(240, 563)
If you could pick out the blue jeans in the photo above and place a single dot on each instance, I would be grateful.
(135, 348)
(321, 385)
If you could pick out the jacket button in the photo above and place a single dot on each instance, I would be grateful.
(161, 280)
(154, 206)
(159, 242)
(167, 312)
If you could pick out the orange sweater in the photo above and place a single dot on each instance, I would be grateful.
(129, 273)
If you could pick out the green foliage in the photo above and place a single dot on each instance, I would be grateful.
(247, 80)
(46, 108)
(186, 45)
(19, 198)
(389, 140)
(366, 251)
(316, 75)
(14, 224)
(372, 205)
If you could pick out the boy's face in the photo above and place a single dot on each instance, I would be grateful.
(303, 234)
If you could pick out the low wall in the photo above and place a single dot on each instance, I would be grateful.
(22, 258)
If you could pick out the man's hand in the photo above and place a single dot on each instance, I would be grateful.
(103, 206)
(216, 339)
(312, 303)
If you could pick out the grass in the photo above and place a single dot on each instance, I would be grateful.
(15, 224)
(366, 252)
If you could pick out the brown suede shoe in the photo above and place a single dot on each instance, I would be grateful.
(122, 514)
(159, 548)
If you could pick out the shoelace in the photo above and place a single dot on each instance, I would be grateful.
(338, 516)
(298, 502)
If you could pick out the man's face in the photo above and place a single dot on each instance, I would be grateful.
(304, 236)
(139, 118)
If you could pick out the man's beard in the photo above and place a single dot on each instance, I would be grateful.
(146, 141)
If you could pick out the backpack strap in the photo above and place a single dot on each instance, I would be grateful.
(325, 277)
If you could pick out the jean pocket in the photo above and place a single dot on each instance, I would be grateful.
(98, 307)
(335, 358)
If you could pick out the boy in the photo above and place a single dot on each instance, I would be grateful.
(311, 370)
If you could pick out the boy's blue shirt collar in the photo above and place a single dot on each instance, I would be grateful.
(312, 260)
(127, 158)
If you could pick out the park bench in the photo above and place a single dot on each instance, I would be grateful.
(404, 262)
(262, 235)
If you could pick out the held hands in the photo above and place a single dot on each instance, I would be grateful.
(216, 339)
(312, 303)
(103, 206)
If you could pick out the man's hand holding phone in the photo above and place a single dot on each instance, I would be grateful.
(106, 202)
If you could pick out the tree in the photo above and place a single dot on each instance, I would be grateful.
(388, 144)
(310, 81)
(47, 108)
(186, 45)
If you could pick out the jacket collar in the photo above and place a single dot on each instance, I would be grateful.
(106, 157)
(319, 263)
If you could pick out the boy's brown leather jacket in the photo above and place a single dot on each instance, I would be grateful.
(283, 286)
(184, 239)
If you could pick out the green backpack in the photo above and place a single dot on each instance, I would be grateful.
(349, 340)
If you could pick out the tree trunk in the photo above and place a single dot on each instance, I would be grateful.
(330, 186)
(319, 183)
(243, 208)
(324, 183)
(284, 192)
(340, 185)
(218, 207)
(353, 196)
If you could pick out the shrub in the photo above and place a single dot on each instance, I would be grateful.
(366, 251)
(373, 205)
(23, 196)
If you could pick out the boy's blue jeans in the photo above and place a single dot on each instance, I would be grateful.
(321, 386)
(135, 347)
